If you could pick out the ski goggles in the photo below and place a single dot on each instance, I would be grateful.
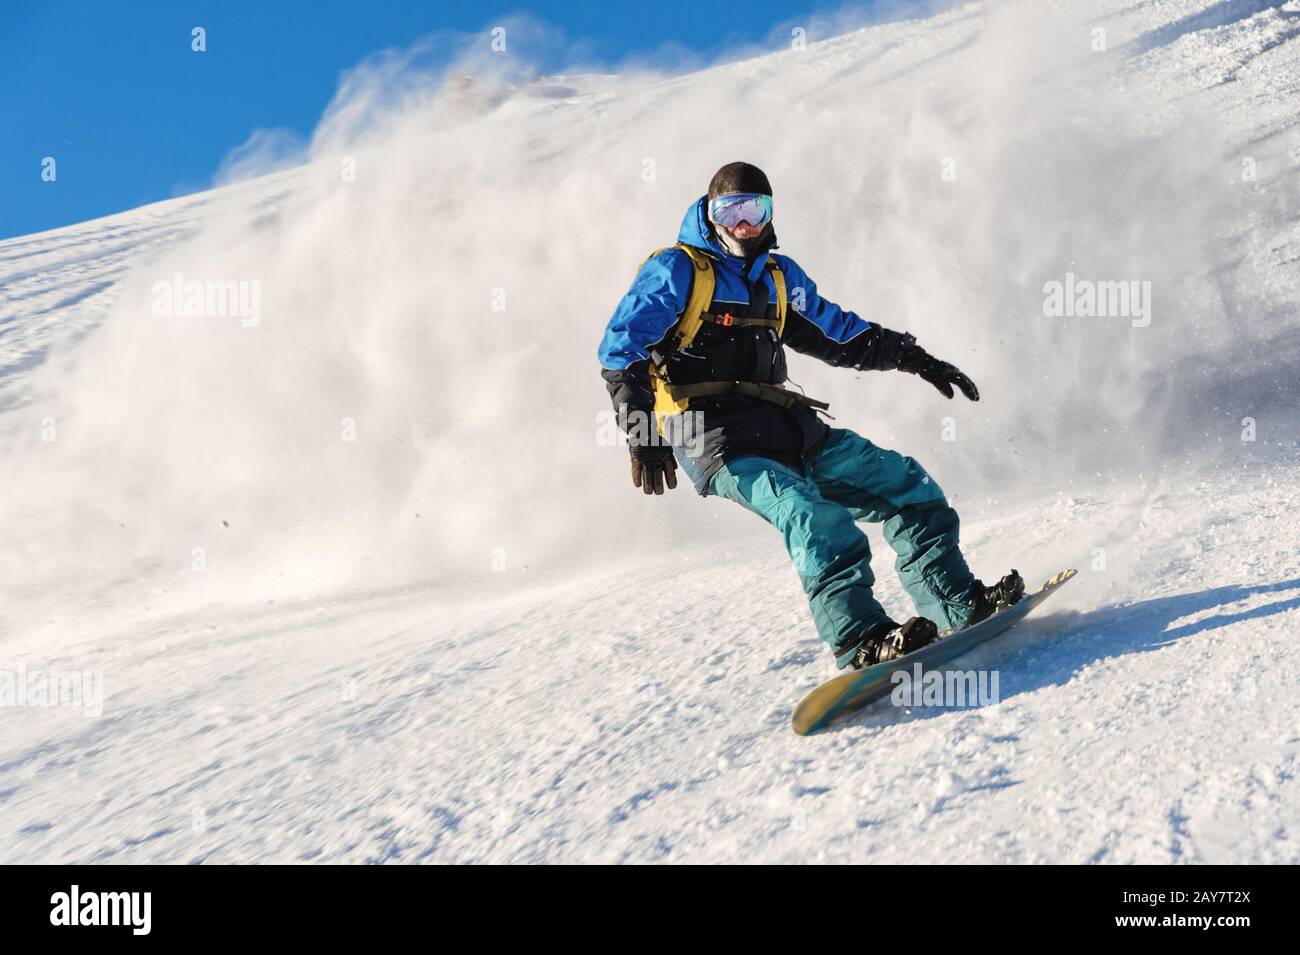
(730, 211)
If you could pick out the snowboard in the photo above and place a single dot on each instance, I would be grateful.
(854, 690)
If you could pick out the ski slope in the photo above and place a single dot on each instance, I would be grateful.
(460, 635)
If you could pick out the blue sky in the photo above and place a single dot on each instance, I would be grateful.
(112, 91)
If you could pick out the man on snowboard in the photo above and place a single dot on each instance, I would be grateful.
(701, 335)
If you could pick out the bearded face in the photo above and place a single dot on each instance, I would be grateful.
(745, 240)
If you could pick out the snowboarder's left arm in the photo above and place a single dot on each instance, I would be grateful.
(818, 327)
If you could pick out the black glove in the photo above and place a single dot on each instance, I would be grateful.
(653, 466)
(914, 359)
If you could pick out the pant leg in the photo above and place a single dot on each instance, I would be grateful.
(885, 487)
(829, 551)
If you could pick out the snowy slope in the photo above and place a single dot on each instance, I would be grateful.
(407, 647)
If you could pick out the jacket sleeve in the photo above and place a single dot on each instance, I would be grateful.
(645, 315)
(818, 327)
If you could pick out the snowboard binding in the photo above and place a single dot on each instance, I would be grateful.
(1007, 592)
(888, 641)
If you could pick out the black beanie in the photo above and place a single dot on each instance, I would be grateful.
(739, 177)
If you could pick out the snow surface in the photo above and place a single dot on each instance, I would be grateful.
(463, 636)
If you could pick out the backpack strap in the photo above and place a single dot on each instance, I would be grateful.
(785, 397)
(698, 301)
(782, 302)
(727, 320)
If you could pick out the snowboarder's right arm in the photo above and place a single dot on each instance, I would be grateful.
(645, 315)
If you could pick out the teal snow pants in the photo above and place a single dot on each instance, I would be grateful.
(851, 480)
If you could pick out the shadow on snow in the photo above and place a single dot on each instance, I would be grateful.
(1049, 651)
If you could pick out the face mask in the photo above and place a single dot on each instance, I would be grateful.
(745, 248)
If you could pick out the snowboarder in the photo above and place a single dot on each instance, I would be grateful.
(694, 361)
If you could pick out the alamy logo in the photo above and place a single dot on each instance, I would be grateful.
(959, 688)
(51, 688)
(182, 298)
(684, 430)
(102, 908)
(1088, 299)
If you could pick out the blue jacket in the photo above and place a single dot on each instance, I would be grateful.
(733, 425)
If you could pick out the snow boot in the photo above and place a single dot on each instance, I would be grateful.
(989, 600)
(888, 641)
